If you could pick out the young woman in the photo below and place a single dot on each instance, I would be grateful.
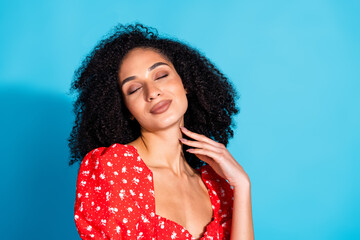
(153, 118)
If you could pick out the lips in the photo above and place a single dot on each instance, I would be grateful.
(160, 107)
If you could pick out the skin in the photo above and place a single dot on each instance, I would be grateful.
(147, 77)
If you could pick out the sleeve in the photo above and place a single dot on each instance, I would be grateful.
(97, 212)
(226, 196)
(226, 201)
(226, 228)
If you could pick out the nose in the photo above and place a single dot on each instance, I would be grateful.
(152, 92)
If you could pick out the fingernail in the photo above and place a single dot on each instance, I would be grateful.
(183, 128)
(189, 150)
(182, 139)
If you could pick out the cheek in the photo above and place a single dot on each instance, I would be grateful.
(180, 94)
(177, 86)
(133, 106)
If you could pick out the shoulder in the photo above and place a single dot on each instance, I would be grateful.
(115, 157)
(115, 166)
(108, 192)
(104, 164)
(112, 174)
(118, 165)
(113, 152)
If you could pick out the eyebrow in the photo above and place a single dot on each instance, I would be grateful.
(149, 69)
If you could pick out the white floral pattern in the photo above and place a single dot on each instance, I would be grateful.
(115, 199)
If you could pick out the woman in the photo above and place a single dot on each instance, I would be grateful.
(153, 117)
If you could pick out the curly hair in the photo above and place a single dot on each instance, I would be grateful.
(102, 118)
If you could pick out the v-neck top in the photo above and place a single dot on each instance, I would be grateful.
(115, 199)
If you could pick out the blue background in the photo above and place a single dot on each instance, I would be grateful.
(296, 65)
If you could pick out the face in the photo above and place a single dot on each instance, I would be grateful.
(152, 89)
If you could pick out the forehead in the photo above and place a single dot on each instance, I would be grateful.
(138, 59)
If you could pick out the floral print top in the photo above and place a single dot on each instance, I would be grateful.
(115, 199)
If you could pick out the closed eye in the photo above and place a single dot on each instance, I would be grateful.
(133, 91)
(165, 75)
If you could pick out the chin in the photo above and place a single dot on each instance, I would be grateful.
(164, 122)
(168, 122)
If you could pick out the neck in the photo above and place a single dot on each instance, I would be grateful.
(163, 150)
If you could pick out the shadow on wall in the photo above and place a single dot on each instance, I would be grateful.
(37, 185)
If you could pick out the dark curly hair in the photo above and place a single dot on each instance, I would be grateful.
(101, 116)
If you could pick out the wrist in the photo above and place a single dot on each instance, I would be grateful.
(242, 184)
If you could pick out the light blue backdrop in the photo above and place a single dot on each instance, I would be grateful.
(296, 65)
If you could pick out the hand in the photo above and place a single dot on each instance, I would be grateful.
(217, 156)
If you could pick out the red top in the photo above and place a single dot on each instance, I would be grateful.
(115, 199)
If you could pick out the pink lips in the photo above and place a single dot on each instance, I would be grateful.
(160, 107)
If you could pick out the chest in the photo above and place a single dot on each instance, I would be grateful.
(185, 202)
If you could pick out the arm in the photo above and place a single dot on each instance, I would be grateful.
(219, 158)
(242, 223)
(100, 210)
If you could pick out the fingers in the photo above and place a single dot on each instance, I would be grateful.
(213, 153)
(198, 144)
(205, 148)
(200, 137)
(213, 156)
(206, 159)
